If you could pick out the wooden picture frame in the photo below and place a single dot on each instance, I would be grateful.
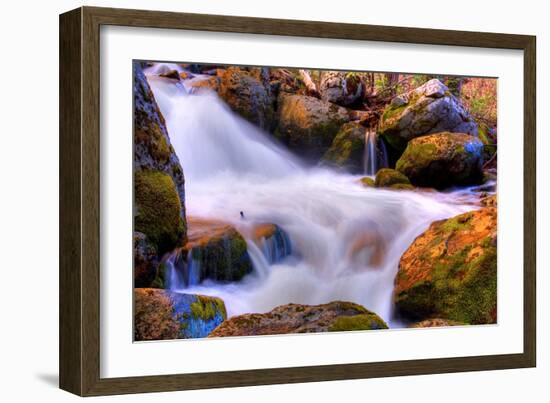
(80, 200)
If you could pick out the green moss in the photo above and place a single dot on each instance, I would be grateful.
(458, 223)
(160, 278)
(157, 211)
(392, 111)
(223, 259)
(416, 155)
(458, 290)
(387, 177)
(160, 149)
(489, 146)
(367, 182)
(347, 148)
(402, 186)
(206, 308)
(367, 321)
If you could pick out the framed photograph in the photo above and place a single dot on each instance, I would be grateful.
(249, 201)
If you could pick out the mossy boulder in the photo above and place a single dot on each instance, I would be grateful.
(145, 261)
(296, 318)
(247, 95)
(165, 315)
(450, 271)
(152, 147)
(387, 177)
(348, 148)
(431, 108)
(341, 88)
(443, 159)
(309, 125)
(157, 210)
(215, 250)
(367, 182)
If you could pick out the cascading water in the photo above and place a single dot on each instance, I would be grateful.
(375, 153)
(344, 240)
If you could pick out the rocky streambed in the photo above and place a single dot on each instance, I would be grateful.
(276, 230)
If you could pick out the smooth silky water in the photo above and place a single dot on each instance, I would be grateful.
(346, 240)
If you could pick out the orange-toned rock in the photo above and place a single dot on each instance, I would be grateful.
(295, 318)
(247, 96)
(450, 271)
(437, 322)
(217, 250)
(211, 83)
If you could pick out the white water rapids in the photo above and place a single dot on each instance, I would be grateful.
(346, 239)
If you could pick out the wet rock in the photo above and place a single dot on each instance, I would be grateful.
(443, 159)
(367, 182)
(295, 318)
(450, 271)
(341, 88)
(390, 178)
(186, 75)
(210, 83)
(216, 250)
(348, 148)
(157, 210)
(309, 125)
(145, 261)
(172, 74)
(165, 315)
(152, 147)
(489, 201)
(431, 108)
(437, 322)
(247, 96)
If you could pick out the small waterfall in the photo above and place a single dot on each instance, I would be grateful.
(193, 270)
(375, 153)
(174, 278)
(181, 270)
(276, 247)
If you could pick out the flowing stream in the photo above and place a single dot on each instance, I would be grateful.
(345, 239)
(376, 156)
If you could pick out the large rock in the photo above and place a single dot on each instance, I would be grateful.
(450, 271)
(246, 94)
(294, 318)
(348, 148)
(309, 125)
(145, 261)
(157, 174)
(215, 250)
(431, 108)
(210, 83)
(443, 159)
(157, 210)
(390, 178)
(164, 315)
(152, 147)
(341, 88)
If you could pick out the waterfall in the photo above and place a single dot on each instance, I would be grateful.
(174, 277)
(276, 247)
(375, 153)
(341, 242)
(210, 140)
